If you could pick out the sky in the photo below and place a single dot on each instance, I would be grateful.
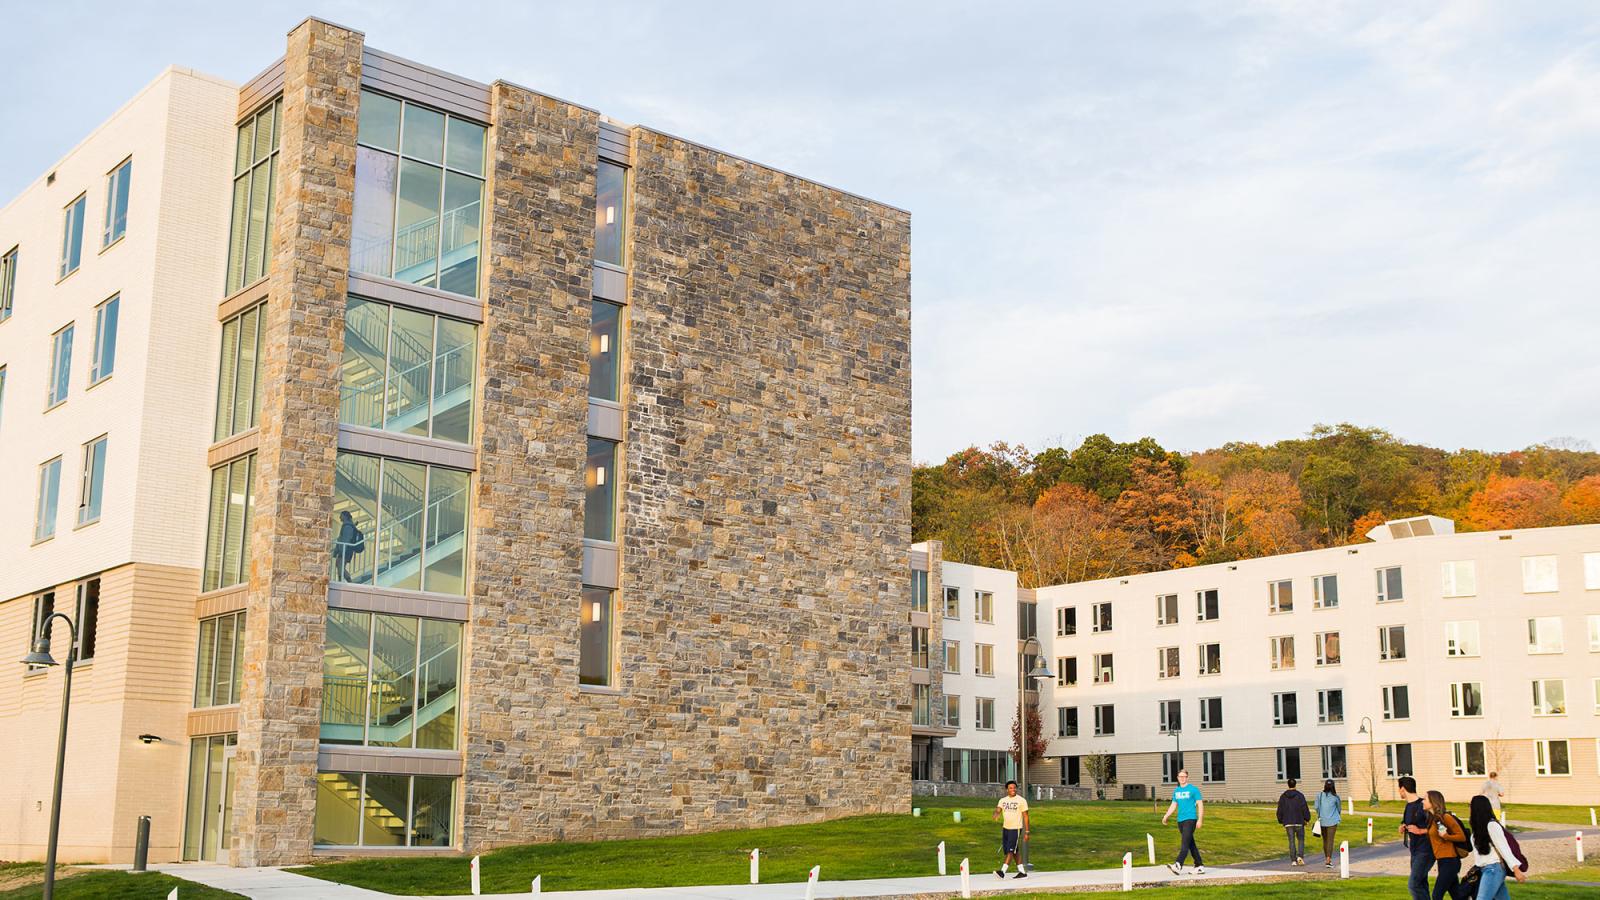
(1201, 222)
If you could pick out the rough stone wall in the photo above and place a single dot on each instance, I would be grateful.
(280, 708)
(936, 654)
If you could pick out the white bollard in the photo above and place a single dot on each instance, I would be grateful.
(941, 857)
(1591, 817)
(475, 888)
(811, 882)
(1577, 845)
(173, 895)
(1127, 871)
(966, 878)
(538, 884)
(957, 815)
(1350, 805)
(916, 812)
(1344, 859)
(755, 866)
(1150, 844)
(1369, 830)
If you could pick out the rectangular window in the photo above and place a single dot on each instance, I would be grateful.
(1466, 700)
(1171, 764)
(1551, 758)
(1325, 592)
(1067, 671)
(1210, 659)
(1594, 621)
(1328, 648)
(418, 211)
(408, 371)
(600, 491)
(1330, 706)
(1280, 596)
(594, 636)
(952, 710)
(1549, 697)
(1288, 763)
(610, 212)
(1105, 720)
(219, 660)
(1067, 721)
(104, 360)
(1100, 618)
(117, 184)
(605, 355)
(1167, 609)
(1208, 605)
(1539, 575)
(1470, 758)
(1027, 620)
(231, 509)
(952, 657)
(919, 590)
(44, 606)
(983, 659)
(1333, 761)
(1397, 760)
(390, 681)
(1458, 578)
(922, 704)
(44, 514)
(1591, 561)
(1461, 639)
(983, 606)
(1285, 709)
(1213, 766)
(2, 392)
(1104, 668)
(255, 170)
(1391, 586)
(1169, 716)
(72, 236)
(91, 493)
(1544, 635)
(1597, 696)
(60, 367)
(983, 714)
(8, 283)
(1210, 713)
(1391, 642)
(1282, 651)
(1067, 621)
(1396, 702)
(399, 524)
(88, 619)
(919, 647)
(372, 810)
(1167, 662)
(952, 603)
(239, 373)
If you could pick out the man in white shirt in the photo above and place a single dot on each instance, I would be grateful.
(1012, 810)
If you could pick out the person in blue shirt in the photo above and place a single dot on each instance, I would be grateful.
(1414, 831)
(1328, 817)
(1191, 810)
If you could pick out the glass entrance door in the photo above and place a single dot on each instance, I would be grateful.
(208, 820)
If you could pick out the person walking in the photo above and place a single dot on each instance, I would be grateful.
(1012, 811)
(1191, 809)
(1328, 819)
(1293, 814)
(1491, 852)
(348, 543)
(1496, 792)
(1414, 831)
(1448, 838)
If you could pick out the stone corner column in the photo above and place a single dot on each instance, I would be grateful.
(280, 703)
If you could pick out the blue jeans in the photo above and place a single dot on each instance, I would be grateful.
(1492, 883)
(1187, 845)
(1421, 863)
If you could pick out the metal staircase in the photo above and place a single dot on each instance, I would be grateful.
(345, 692)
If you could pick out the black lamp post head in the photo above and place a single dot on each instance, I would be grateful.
(40, 655)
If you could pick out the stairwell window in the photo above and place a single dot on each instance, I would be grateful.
(610, 212)
(72, 236)
(117, 184)
(600, 491)
(255, 172)
(232, 506)
(594, 636)
(605, 357)
(919, 647)
(219, 660)
(399, 524)
(407, 371)
(104, 360)
(418, 214)
(239, 373)
(390, 681)
(372, 810)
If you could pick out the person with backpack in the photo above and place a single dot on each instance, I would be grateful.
(1414, 831)
(1293, 814)
(1494, 852)
(1328, 819)
(348, 543)
(1449, 841)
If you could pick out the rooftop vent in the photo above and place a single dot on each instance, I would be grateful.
(1417, 526)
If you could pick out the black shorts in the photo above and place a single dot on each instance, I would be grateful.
(1008, 839)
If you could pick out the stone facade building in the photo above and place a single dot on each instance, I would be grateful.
(537, 476)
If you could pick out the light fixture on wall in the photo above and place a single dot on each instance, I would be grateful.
(599, 476)
(149, 739)
(611, 215)
(594, 611)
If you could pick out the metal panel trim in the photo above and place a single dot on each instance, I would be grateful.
(610, 284)
(387, 290)
(422, 604)
(407, 447)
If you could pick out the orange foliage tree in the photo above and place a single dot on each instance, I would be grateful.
(1514, 502)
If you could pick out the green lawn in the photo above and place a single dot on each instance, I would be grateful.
(110, 885)
(1588, 870)
(1067, 835)
(1519, 812)
(1297, 889)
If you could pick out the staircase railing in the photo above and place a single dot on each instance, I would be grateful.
(367, 402)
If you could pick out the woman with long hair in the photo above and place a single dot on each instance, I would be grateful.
(1328, 817)
(1448, 842)
(1491, 852)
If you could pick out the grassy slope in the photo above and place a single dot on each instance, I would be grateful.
(1354, 889)
(109, 885)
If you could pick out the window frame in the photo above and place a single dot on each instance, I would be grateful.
(1325, 704)
(1166, 610)
(1068, 722)
(1455, 644)
(1108, 668)
(1280, 708)
(1391, 760)
(1065, 665)
(1320, 598)
(1386, 643)
(1537, 636)
(1459, 691)
(983, 607)
(1280, 597)
(1096, 620)
(8, 281)
(1335, 762)
(1208, 600)
(1320, 642)
(1451, 577)
(1169, 663)
(1169, 713)
(118, 193)
(1213, 767)
(51, 469)
(60, 372)
(952, 701)
(1066, 621)
(1542, 707)
(1209, 720)
(1213, 650)
(952, 657)
(1383, 594)
(1533, 577)
(978, 707)
(1105, 714)
(1544, 760)
(1391, 695)
(1276, 645)
(103, 353)
(1461, 759)
(982, 660)
(91, 492)
(72, 216)
(1281, 757)
(952, 594)
(921, 637)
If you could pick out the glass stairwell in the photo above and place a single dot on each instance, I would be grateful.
(382, 703)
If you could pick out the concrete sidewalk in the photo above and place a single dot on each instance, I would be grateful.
(276, 884)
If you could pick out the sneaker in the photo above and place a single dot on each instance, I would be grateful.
(1020, 874)
(1176, 869)
(999, 873)
(1327, 864)
(1199, 870)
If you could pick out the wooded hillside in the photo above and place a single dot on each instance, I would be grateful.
(1108, 508)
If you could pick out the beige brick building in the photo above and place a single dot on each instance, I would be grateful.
(477, 470)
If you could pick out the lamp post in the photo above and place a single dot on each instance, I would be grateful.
(40, 656)
(1372, 759)
(1040, 672)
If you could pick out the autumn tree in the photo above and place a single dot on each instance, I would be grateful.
(1036, 737)
(1513, 502)
(1158, 513)
(1580, 505)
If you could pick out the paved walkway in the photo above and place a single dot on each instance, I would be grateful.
(276, 884)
